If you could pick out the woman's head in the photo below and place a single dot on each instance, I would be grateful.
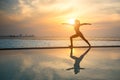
(77, 21)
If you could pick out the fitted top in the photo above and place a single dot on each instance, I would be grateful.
(76, 27)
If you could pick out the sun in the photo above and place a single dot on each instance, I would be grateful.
(71, 21)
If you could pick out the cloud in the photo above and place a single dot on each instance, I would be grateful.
(9, 5)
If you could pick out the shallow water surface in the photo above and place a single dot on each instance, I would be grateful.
(51, 64)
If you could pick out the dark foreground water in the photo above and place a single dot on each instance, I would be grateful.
(51, 64)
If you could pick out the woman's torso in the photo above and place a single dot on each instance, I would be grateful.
(76, 28)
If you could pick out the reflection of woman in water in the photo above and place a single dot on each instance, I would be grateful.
(78, 32)
(77, 61)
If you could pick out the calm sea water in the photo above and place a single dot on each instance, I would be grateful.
(20, 43)
(51, 64)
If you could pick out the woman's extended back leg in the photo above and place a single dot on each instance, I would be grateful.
(82, 36)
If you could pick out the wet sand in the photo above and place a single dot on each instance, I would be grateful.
(51, 64)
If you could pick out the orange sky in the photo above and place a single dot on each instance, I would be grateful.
(44, 17)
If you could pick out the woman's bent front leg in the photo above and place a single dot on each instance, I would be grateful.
(71, 39)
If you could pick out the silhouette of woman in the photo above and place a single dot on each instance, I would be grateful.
(76, 66)
(78, 32)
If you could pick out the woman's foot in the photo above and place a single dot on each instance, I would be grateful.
(89, 46)
(70, 46)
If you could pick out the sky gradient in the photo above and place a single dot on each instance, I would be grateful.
(44, 17)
